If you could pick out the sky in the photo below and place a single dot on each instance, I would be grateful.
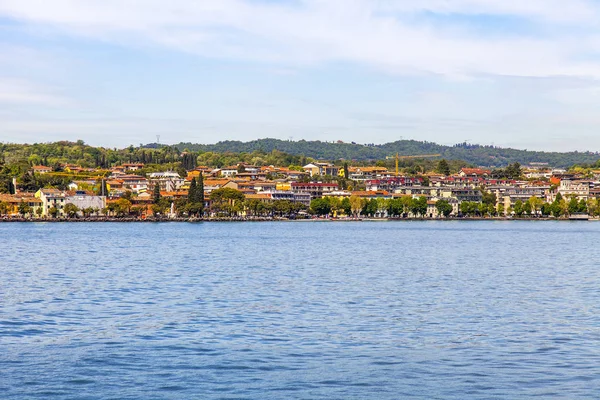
(510, 73)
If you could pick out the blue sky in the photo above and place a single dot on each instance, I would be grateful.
(120, 72)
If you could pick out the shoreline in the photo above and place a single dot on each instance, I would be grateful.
(277, 219)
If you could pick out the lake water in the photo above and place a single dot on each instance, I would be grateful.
(300, 310)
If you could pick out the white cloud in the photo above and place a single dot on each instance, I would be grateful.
(510, 86)
(319, 31)
(554, 11)
(18, 91)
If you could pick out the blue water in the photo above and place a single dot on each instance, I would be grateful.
(300, 310)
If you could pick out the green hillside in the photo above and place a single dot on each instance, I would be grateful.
(487, 156)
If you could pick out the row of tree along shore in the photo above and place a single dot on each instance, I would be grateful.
(12, 219)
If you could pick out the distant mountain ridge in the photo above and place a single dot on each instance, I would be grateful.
(487, 156)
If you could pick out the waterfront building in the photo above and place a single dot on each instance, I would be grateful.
(315, 189)
(83, 200)
(578, 188)
(14, 201)
(52, 198)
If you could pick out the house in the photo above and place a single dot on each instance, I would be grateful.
(168, 181)
(508, 195)
(52, 198)
(577, 188)
(316, 190)
(390, 184)
(132, 167)
(228, 172)
(320, 168)
(364, 173)
(135, 183)
(41, 169)
(433, 212)
(467, 194)
(195, 173)
(14, 201)
(72, 168)
(214, 184)
(474, 172)
(271, 196)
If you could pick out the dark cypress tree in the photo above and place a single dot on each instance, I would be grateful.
(156, 194)
(200, 189)
(193, 193)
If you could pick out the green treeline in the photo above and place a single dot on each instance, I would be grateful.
(488, 156)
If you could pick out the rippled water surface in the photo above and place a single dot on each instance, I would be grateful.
(300, 310)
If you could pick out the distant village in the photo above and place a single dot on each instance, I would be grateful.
(316, 190)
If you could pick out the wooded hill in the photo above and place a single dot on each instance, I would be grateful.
(488, 156)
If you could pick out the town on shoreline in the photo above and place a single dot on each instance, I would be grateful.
(158, 185)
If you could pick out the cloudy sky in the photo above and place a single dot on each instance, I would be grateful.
(513, 73)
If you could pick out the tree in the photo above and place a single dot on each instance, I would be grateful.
(469, 208)
(546, 209)
(573, 206)
(394, 208)
(418, 206)
(370, 207)
(583, 207)
(320, 206)
(356, 205)
(24, 208)
(382, 204)
(443, 207)
(123, 206)
(3, 208)
(195, 203)
(346, 206)
(488, 198)
(137, 210)
(346, 173)
(227, 200)
(406, 202)
(519, 210)
(156, 193)
(254, 206)
(592, 205)
(536, 204)
(500, 209)
(200, 191)
(564, 207)
(335, 204)
(53, 211)
(71, 210)
(39, 211)
(192, 192)
(527, 207)
(513, 171)
(443, 167)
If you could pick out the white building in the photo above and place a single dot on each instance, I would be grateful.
(168, 181)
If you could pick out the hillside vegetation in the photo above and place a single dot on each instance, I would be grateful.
(488, 156)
